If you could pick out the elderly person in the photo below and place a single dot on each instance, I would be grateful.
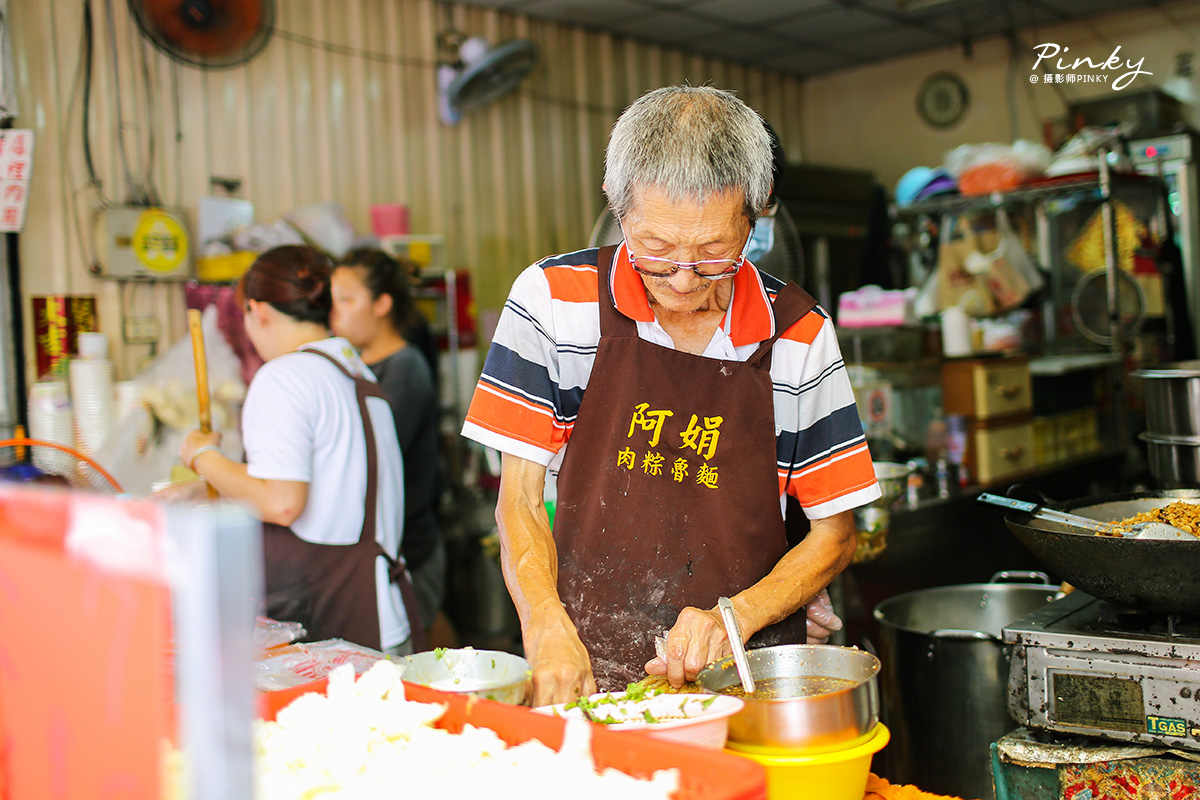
(694, 392)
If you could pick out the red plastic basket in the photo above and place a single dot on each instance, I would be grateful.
(704, 774)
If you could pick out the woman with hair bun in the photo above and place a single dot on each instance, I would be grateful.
(323, 468)
(373, 310)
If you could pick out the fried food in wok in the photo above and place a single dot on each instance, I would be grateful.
(1185, 516)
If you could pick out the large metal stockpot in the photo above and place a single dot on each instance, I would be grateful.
(815, 723)
(1174, 460)
(946, 677)
(1172, 398)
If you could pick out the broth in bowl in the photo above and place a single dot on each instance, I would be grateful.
(800, 686)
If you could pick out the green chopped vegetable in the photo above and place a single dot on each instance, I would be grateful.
(439, 652)
(706, 703)
(635, 692)
(493, 663)
(646, 715)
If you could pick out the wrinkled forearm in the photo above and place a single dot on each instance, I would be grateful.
(528, 555)
(799, 576)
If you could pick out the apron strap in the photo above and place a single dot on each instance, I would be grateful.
(397, 569)
(612, 322)
(790, 306)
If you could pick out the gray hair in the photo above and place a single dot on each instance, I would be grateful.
(689, 142)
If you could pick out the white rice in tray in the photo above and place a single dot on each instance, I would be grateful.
(363, 739)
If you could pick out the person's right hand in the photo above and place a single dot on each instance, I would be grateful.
(562, 670)
(193, 491)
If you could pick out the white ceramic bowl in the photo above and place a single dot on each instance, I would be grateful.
(700, 719)
(491, 674)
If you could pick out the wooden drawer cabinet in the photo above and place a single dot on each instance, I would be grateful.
(996, 451)
(983, 389)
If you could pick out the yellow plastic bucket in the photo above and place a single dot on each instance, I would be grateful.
(836, 775)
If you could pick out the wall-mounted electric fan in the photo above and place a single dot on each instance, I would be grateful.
(211, 34)
(482, 75)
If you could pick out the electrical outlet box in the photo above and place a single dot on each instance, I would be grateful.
(142, 330)
(143, 243)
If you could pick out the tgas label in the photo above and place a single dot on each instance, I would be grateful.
(1166, 726)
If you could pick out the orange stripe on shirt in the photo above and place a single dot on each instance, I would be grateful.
(512, 415)
(805, 329)
(572, 284)
(832, 477)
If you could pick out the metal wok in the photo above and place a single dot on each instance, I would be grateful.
(1153, 575)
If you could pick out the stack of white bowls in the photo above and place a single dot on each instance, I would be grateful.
(93, 396)
(50, 420)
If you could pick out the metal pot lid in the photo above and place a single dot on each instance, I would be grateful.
(1177, 369)
(1169, 438)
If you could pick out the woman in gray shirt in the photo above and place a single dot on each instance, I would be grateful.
(373, 310)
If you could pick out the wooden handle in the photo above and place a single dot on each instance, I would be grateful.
(197, 331)
(195, 318)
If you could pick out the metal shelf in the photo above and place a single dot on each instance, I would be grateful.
(1048, 189)
(1102, 187)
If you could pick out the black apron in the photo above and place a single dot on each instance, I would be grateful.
(669, 490)
(330, 589)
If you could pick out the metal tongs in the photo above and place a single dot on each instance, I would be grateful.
(1138, 530)
(735, 641)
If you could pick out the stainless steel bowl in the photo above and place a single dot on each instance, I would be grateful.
(1174, 460)
(1172, 398)
(813, 723)
(492, 674)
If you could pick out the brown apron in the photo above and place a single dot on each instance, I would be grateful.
(330, 589)
(669, 490)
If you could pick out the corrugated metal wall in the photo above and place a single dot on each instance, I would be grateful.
(342, 106)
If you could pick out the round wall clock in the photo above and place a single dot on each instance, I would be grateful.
(942, 99)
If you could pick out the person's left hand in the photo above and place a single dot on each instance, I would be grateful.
(193, 442)
(697, 639)
(821, 619)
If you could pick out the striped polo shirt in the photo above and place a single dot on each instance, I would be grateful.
(545, 343)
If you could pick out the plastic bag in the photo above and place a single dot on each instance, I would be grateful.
(992, 167)
(956, 285)
(986, 272)
(1009, 272)
(325, 225)
(168, 390)
(298, 664)
(270, 633)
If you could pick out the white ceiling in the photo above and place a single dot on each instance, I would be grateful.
(810, 37)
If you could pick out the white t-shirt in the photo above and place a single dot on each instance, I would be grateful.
(301, 423)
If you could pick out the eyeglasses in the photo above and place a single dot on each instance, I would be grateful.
(712, 269)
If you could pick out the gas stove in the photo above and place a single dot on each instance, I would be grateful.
(1084, 666)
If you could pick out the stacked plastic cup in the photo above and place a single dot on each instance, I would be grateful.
(93, 396)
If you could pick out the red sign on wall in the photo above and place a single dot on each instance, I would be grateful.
(16, 165)
(57, 322)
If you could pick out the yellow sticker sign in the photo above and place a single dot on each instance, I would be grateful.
(160, 241)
